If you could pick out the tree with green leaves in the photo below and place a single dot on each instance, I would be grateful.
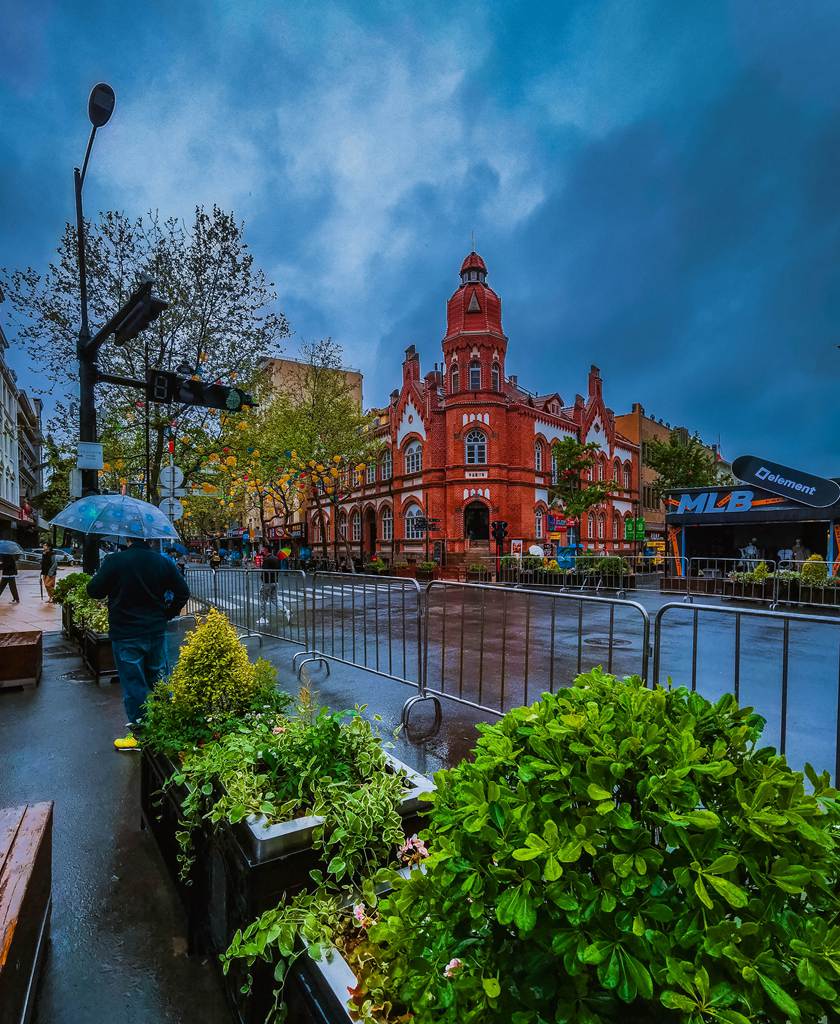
(222, 318)
(573, 491)
(681, 461)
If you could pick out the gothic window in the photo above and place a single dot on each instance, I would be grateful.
(538, 523)
(412, 527)
(538, 456)
(386, 466)
(371, 473)
(342, 526)
(454, 379)
(615, 527)
(590, 526)
(602, 522)
(475, 448)
(413, 456)
(627, 476)
(387, 524)
(356, 526)
(475, 375)
(617, 471)
(316, 530)
(495, 378)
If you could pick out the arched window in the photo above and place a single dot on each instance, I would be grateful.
(475, 448)
(371, 472)
(538, 523)
(413, 456)
(615, 527)
(602, 468)
(475, 375)
(495, 378)
(602, 522)
(617, 471)
(454, 379)
(538, 456)
(412, 519)
(356, 526)
(387, 524)
(342, 526)
(316, 530)
(590, 526)
(386, 465)
(627, 476)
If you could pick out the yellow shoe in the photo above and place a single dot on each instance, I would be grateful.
(127, 742)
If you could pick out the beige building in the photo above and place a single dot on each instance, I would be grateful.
(288, 376)
(640, 428)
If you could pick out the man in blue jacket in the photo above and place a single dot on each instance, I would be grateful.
(144, 590)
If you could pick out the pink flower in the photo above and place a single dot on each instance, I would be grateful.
(278, 729)
(452, 967)
(359, 913)
(413, 851)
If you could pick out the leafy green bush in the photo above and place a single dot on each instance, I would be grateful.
(477, 567)
(758, 574)
(616, 854)
(376, 565)
(427, 566)
(602, 565)
(87, 613)
(68, 584)
(814, 571)
(212, 686)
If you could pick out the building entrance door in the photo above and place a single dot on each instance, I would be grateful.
(477, 521)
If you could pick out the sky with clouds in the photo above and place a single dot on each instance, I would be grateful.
(655, 186)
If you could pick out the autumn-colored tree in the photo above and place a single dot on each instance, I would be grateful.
(572, 490)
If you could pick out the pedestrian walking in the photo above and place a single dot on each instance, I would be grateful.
(144, 591)
(49, 569)
(9, 576)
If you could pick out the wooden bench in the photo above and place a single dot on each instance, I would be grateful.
(25, 902)
(21, 658)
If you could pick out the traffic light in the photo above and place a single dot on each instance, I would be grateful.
(166, 387)
(499, 528)
(142, 309)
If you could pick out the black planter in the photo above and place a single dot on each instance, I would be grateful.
(68, 626)
(249, 868)
(97, 654)
(160, 815)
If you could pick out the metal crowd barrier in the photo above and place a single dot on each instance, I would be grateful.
(713, 575)
(259, 601)
(818, 591)
(494, 648)
(785, 664)
(370, 621)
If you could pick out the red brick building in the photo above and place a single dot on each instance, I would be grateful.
(466, 444)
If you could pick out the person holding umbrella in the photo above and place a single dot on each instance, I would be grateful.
(143, 588)
(9, 550)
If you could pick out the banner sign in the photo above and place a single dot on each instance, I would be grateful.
(516, 548)
(640, 529)
(556, 523)
(815, 491)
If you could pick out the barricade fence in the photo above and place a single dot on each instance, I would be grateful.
(493, 648)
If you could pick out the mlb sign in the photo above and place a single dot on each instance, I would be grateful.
(712, 501)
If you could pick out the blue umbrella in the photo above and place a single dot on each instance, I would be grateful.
(10, 547)
(116, 514)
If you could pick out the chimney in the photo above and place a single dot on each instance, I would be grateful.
(514, 379)
(594, 382)
(411, 365)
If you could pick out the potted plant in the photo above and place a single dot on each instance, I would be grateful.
(376, 566)
(477, 572)
(816, 587)
(427, 570)
(97, 652)
(586, 886)
(64, 592)
(755, 584)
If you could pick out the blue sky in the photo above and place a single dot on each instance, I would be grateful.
(655, 186)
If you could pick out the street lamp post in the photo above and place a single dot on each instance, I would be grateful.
(100, 108)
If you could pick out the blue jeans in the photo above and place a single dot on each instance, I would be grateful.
(141, 662)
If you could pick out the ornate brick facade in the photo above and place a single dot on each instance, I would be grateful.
(466, 444)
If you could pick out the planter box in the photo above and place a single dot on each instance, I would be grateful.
(405, 572)
(98, 655)
(21, 658)
(160, 815)
(68, 627)
(817, 597)
(736, 590)
(426, 575)
(251, 867)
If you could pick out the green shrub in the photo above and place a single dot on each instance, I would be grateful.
(68, 584)
(602, 565)
(212, 686)
(815, 571)
(427, 566)
(616, 854)
(376, 565)
(477, 567)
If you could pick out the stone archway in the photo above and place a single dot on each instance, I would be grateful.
(477, 522)
(369, 532)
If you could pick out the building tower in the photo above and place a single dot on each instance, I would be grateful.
(474, 346)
